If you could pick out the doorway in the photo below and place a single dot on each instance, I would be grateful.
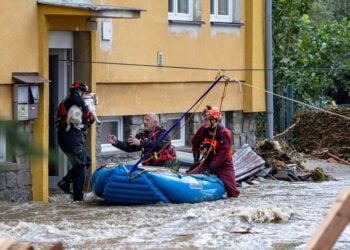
(60, 72)
(61, 76)
(68, 53)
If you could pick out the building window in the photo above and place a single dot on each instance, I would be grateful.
(180, 10)
(111, 125)
(225, 11)
(178, 133)
(221, 11)
(2, 145)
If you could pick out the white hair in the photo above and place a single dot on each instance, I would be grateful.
(155, 117)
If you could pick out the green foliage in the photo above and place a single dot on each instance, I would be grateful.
(330, 10)
(312, 56)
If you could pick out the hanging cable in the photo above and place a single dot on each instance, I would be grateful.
(290, 99)
(204, 68)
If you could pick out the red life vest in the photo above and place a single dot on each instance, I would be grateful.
(61, 115)
(211, 142)
(156, 158)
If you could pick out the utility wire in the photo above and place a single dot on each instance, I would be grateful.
(287, 98)
(207, 69)
(233, 79)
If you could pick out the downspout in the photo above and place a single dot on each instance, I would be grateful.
(269, 71)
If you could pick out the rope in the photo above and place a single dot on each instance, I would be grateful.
(204, 157)
(178, 130)
(289, 99)
(231, 70)
(175, 124)
(208, 69)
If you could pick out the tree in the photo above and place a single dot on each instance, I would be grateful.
(312, 56)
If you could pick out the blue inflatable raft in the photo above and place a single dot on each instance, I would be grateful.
(152, 185)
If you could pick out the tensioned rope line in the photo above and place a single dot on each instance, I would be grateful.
(175, 124)
(287, 98)
(204, 157)
(207, 69)
(193, 112)
(178, 130)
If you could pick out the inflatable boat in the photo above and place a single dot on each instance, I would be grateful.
(126, 185)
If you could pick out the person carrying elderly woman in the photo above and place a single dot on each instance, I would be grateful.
(214, 142)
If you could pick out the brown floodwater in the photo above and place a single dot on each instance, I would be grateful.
(270, 215)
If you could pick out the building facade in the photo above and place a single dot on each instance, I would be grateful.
(139, 57)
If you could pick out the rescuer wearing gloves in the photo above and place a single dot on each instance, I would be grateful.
(214, 142)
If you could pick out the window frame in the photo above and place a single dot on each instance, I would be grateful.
(175, 15)
(215, 17)
(178, 142)
(107, 147)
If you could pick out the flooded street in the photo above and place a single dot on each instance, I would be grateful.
(271, 215)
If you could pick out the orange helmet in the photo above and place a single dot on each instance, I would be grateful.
(212, 113)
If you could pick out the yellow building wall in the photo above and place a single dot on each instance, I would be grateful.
(19, 47)
(127, 89)
(254, 96)
(6, 107)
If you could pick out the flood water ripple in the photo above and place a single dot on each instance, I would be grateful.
(271, 215)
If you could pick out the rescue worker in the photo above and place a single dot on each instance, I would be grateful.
(72, 141)
(214, 142)
(163, 154)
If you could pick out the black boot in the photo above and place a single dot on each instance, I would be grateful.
(64, 184)
(78, 183)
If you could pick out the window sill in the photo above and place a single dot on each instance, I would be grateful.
(228, 24)
(186, 22)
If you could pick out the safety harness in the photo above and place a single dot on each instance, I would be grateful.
(154, 158)
(211, 141)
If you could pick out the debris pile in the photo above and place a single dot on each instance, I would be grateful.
(286, 164)
(323, 134)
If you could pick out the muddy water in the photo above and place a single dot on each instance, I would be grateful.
(271, 215)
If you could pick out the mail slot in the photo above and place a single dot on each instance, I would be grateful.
(26, 100)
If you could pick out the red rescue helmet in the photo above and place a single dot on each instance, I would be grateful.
(79, 85)
(212, 113)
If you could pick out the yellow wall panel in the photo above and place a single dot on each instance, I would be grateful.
(19, 38)
(6, 106)
(140, 98)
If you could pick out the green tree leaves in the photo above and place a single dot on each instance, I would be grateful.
(313, 56)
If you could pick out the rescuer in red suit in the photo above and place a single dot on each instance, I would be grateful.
(214, 142)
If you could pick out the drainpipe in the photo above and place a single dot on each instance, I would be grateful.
(269, 71)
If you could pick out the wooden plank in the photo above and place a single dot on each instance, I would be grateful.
(339, 159)
(333, 224)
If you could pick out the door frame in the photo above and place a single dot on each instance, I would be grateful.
(61, 74)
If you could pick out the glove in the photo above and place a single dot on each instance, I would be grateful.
(195, 158)
(195, 162)
(193, 166)
(212, 168)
